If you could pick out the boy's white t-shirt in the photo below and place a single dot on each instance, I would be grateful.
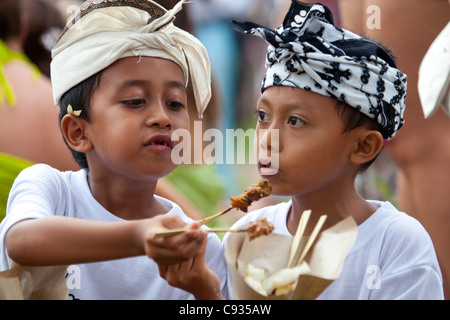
(41, 191)
(392, 258)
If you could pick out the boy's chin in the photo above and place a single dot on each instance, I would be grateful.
(161, 172)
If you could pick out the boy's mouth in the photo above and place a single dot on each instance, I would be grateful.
(160, 143)
(266, 169)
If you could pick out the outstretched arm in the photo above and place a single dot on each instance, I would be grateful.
(61, 240)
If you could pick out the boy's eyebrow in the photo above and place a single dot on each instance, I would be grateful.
(176, 84)
(294, 105)
(142, 82)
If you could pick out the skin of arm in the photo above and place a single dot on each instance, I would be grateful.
(63, 240)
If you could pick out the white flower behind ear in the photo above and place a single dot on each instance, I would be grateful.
(74, 113)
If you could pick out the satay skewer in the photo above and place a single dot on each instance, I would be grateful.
(243, 201)
(208, 219)
(256, 229)
(181, 230)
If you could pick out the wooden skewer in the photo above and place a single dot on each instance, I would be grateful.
(208, 219)
(178, 231)
(312, 238)
(298, 236)
(262, 193)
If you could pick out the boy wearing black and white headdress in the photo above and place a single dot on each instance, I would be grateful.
(330, 101)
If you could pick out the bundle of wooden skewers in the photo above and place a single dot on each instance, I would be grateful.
(283, 281)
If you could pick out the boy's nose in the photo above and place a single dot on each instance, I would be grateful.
(269, 140)
(159, 117)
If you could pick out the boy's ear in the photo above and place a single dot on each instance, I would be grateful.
(73, 129)
(369, 145)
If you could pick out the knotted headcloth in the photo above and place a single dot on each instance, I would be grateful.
(307, 51)
(103, 31)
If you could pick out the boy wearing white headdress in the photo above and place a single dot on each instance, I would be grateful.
(330, 101)
(119, 74)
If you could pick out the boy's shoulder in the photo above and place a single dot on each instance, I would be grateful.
(47, 177)
(395, 231)
(38, 168)
(45, 184)
(390, 220)
(44, 170)
(39, 174)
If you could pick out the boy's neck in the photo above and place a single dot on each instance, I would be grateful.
(336, 209)
(129, 202)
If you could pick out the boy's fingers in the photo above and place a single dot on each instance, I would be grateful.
(176, 251)
(172, 222)
(199, 258)
(194, 226)
(176, 241)
(176, 248)
(191, 248)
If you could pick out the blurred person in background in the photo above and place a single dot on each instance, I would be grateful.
(421, 151)
(210, 24)
(197, 188)
(43, 24)
(29, 130)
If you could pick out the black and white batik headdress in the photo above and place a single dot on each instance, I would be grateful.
(309, 52)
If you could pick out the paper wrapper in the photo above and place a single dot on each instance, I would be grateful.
(33, 283)
(325, 259)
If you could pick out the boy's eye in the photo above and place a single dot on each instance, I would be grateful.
(176, 105)
(296, 122)
(262, 116)
(134, 102)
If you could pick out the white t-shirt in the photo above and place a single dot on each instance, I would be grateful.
(392, 258)
(41, 191)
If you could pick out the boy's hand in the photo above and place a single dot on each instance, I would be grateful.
(193, 276)
(174, 249)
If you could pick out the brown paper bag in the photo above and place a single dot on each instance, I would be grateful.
(10, 285)
(325, 259)
(33, 283)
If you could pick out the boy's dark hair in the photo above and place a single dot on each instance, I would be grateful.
(9, 19)
(79, 97)
(353, 118)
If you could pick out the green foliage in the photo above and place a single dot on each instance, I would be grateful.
(10, 167)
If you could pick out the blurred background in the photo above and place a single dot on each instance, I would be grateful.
(412, 172)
